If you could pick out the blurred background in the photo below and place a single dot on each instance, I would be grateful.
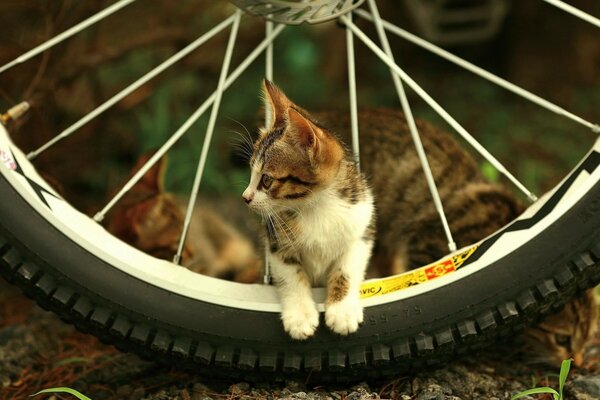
(535, 45)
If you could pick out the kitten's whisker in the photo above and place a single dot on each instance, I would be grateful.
(242, 145)
(289, 208)
(241, 138)
(274, 225)
(248, 137)
(286, 228)
(243, 126)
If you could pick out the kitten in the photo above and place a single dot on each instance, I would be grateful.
(319, 215)
(564, 335)
(151, 220)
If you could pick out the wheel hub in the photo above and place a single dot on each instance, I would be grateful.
(295, 12)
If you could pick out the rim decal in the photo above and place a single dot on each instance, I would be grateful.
(38, 189)
(8, 160)
(589, 165)
(415, 277)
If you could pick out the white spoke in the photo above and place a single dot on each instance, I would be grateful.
(575, 11)
(413, 129)
(269, 76)
(352, 94)
(269, 52)
(132, 87)
(66, 34)
(188, 123)
(440, 110)
(481, 72)
(208, 136)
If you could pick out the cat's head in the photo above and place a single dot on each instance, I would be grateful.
(566, 334)
(293, 159)
(147, 217)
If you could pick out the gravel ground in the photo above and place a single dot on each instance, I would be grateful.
(38, 351)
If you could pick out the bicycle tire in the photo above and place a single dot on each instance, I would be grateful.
(446, 319)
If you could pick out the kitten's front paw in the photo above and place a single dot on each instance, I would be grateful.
(300, 320)
(344, 317)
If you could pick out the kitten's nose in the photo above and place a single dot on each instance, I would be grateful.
(248, 196)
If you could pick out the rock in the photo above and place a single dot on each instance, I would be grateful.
(200, 396)
(295, 386)
(585, 387)
(432, 396)
(361, 394)
(239, 388)
(200, 388)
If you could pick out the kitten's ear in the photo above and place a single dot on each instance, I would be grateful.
(304, 131)
(276, 104)
(153, 180)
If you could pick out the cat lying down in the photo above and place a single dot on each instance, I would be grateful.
(151, 220)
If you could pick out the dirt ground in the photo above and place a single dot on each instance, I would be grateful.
(39, 351)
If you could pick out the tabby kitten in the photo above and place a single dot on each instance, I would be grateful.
(319, 215)
(564, 335)
(151, 220)
(409, 231)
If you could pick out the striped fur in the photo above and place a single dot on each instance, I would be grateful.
(409, 231)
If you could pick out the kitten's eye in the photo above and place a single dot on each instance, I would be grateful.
(266, 181)
(562, 340)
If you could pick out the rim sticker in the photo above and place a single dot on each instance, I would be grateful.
(394, 283)
(7, 159)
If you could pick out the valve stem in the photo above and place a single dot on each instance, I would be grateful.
(15, 112)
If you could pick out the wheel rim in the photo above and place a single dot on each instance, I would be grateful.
(255, 297)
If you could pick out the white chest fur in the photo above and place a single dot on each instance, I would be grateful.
(328, 228)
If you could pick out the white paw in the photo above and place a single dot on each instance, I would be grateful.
(344, 317)
(300, 320)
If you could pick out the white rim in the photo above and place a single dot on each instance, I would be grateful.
(90, 235)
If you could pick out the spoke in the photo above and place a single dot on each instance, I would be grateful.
(413, 128)
(209, 133)
(575, 11)
(440, 110)
(189, 122)
(269, 76)
(481, 72)
(132, 87)
(269, 52)
(352, 94)
(66, 34)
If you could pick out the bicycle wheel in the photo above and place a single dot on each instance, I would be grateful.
(72, 266)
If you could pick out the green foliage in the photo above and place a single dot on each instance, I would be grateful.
(564, 372)
(67, 390)
(489, 171)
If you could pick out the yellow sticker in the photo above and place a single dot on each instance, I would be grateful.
(394, 283)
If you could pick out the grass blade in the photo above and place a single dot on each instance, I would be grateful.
(73, 392)
(564, 373)
(536, 391)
